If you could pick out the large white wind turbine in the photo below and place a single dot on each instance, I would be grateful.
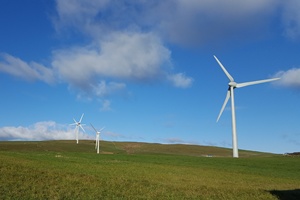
(78, 124)
(232, 86)
(97, 146)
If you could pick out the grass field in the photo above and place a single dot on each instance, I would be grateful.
(65, 170)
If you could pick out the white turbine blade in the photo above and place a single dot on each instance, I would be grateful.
(81, 128)
(94, 128)
(225, 71)
(73, 124)
(239, 85)
(75, 121)
(81, 117)
(224, 104)
(102, 129)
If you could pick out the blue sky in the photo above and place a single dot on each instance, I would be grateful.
(145, 70)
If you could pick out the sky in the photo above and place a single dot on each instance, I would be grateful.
(145, 71)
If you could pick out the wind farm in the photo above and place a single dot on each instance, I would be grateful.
(154, 74)
(134, 170)
(147, 69)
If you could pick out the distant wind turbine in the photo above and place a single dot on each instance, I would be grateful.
(78, 124)
(232, 86)
(97, 146)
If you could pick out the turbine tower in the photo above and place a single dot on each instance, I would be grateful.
(232, 85)
(78, 124)
(97, 146)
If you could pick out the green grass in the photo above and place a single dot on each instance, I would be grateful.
(64, 170)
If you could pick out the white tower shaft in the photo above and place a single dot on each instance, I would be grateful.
(77, 130)
(234, 135)
(98, 144)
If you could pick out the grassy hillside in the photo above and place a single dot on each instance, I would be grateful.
(65, 170)
(126, 148)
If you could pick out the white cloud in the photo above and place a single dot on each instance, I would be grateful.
(289, 78)
(104, 89)
(126, 56)
(29, 71)
(105, 105)
(47, 130)
(180, 80)
(137, 57)
(291, 18)
(81, 15)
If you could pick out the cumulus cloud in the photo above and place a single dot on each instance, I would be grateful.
(104, 89)
(29, 71)
(289, 78)
(125, 56)
(291, 18)
(180, 80)
(82, 15)
(47, 130)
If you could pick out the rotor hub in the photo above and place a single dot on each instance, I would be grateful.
(232, 84)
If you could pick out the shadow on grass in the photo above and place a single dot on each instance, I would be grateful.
(286, 194)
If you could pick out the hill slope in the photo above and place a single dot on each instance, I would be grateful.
(128, 170)
(107, 147)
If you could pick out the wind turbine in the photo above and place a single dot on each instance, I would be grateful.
(97, 138)
(78, 124)
(232, 85)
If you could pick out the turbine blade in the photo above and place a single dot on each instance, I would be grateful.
(81, 117)
(224, 104)
(101, 129)
(81, 128)
(239, 85)
(75, 121)
(225, 71)
(94, 128)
